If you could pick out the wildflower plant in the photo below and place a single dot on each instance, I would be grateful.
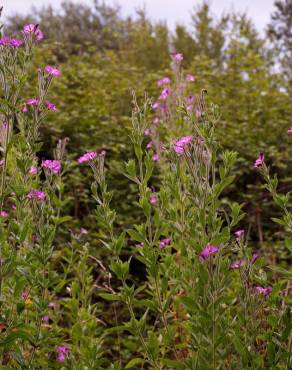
(206, 300)
(201, 305)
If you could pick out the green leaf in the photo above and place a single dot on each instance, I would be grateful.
(133, 362)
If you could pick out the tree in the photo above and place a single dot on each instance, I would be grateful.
(280, 32)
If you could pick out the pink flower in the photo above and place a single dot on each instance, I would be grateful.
(155, 157)
(139, 245)
(239, 233)
(209, 250)
(33, 170)
(24, 109)
(2, 161)
(52, 305)
(165, 93)
(39, 35)
(264, 291)
(236, 264)
(33, 29)
(153, 199)
(198, 113)
(50, 105)
(63, 352)
(164, 242)
(33, 102)
(254, 257)
(24, 294)
(190, 78)
(52, 165)
(190, 99)
(289, 130)
(13, 207)
(4, 40)
(46, 319)
(181, 143)
(83, 231)
(178, 57)
(4, 214)
(147, 132)
(15, 43)
(30, 28)
(259, 161)
(53, 71)
(36, 194)
(156, 105)
(149, 145)
(89, 156)
(156, 121)
(163, 81)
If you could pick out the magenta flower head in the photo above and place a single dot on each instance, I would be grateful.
(2, 161)
(156, 121)
(155, 157)
(165, 93)
(236, 264)
(254, 257)
(4, 214)
(33, 170)
(178, 57)
(46, 319)
(33, 29)
(4, 40)
(164, 242)
(37, 195)
(153, 199)
(50, 105)
(260, 160)
(32, 102)
(156, 105)
(209, 250)
(89, 156)
(163, 81)
(239, 233)
(149, 145)
(30, 28)
(52, 165)
(289, 130)
(63, 352)
(39, 35)
(53, 71)
(83, 231)
(15, 43)
(190, 78)
(263, 291)
(181, 143)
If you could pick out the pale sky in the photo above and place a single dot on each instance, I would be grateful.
(172, 11)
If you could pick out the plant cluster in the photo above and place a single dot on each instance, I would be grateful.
(206, 299)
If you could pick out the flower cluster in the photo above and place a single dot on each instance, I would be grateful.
(52, 71)
(14, 43)
(181, 144)
(208, 251)
(52, 165)
(34, 30)
(164, 242)
(37, 195)
(89, 156)
(63, 352)
(259, 161)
